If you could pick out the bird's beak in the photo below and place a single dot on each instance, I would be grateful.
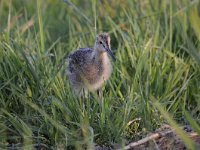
(110, 53)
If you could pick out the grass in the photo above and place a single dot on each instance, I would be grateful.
(156, 76)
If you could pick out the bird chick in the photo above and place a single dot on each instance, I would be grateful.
(89, 68)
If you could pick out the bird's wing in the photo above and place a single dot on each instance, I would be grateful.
(79, 58)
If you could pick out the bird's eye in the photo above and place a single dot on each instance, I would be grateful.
(100, 42)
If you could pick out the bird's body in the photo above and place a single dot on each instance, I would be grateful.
(89, 68)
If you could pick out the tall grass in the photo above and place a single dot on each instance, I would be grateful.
(156, 76)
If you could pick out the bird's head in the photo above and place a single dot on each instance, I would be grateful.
(102, 44)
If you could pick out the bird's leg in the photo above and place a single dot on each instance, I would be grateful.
(85, 93)
(99, 94)
(82, 97)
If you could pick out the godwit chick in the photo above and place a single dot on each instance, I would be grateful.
(89, 68)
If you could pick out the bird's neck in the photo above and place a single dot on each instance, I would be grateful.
(99, 55)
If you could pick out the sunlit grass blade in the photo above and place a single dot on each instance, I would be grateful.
(192, 122)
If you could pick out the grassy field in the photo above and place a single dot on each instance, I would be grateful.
(156, 77)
